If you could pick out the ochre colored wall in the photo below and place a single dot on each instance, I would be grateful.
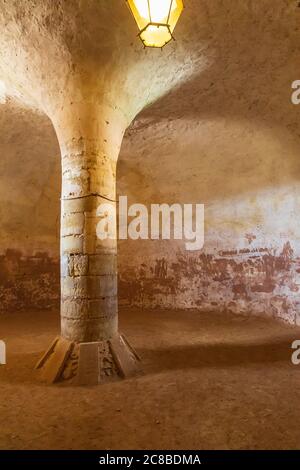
(246, 172)
(29, 210)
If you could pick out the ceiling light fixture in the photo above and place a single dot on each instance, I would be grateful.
(156, 20)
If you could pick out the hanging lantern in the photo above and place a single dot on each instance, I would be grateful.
(156, 20)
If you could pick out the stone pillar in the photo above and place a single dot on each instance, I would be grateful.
(88, 265)
(90, 349)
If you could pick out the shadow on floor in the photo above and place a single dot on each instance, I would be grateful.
(216, 355)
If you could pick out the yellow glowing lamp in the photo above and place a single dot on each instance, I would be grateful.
(156, 20)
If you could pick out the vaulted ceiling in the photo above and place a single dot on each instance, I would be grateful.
(247, 53)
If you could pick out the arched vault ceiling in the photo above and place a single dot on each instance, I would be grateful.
(52, 53)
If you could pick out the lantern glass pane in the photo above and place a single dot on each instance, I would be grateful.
(176, 11)
(156, 36)
(140, 10)
(159, 11)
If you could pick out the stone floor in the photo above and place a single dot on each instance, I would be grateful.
(210, 382)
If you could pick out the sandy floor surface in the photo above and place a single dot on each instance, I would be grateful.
(210, 382)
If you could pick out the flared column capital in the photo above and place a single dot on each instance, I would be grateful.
(92, 128)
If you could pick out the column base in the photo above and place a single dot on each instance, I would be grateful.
(88, 363)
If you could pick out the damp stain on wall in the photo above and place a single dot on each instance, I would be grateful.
(28, 281)
(249, 281)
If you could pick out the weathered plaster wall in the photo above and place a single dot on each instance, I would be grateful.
(247, 175)
(29, 211)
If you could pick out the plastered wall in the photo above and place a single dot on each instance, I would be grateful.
(246, 173)
(29, 210)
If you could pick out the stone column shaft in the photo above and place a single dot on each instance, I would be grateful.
(90, 137)
(88, 265)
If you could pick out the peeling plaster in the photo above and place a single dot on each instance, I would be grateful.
(30, 282)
